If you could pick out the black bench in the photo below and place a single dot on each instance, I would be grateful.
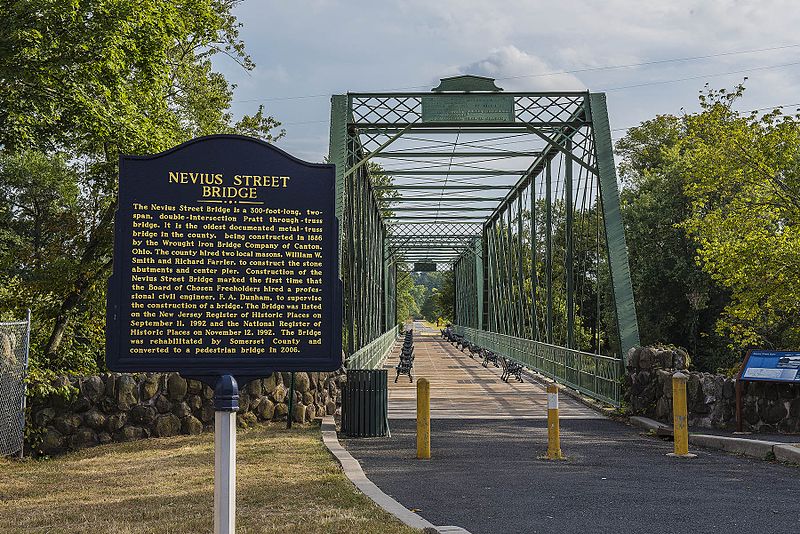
(474, 349)
(406, 360)
(489, 357)
(510, 368)
(404, 367)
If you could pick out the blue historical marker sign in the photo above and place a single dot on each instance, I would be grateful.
(774, 366)
(225, 262)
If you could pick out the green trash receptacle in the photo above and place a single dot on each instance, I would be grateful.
(365, 402)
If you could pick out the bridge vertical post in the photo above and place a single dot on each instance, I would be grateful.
(570, 246)
(483, 301)
(548, 242)
(534, 273)
(480, 252)
(521, 273)
(624, 305)
(337, 154)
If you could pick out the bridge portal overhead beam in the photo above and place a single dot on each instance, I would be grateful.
(442, 187)
(437, 209)
(459, 154)
(474, 172)
(445, 199)
(434, 218)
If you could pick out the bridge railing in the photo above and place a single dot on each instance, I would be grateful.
(592, 374)
(373, 354)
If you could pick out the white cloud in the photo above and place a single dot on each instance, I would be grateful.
(314, 47)
(516, 70)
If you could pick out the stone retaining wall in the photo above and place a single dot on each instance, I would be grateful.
(711, 398)
(126, 407)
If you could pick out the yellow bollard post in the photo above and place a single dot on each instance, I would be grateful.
(423, 419)
(553, 433)
(680, 417)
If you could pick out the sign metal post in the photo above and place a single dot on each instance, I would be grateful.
(226, 404)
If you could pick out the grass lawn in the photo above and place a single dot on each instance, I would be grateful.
(287, 482)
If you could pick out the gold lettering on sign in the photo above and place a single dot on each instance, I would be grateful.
(225, 277)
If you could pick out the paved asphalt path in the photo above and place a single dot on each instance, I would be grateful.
(486, 474)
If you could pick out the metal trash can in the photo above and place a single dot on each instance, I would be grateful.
(365, 402)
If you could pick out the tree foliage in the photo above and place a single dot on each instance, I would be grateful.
(712, 212)
(82, 82)
(744, 185)
(677, 302)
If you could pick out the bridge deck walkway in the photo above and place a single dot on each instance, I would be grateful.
(461, 388)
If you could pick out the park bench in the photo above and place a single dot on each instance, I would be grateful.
(489, 357)
(474, 349)
(406, 363)
(510, 367)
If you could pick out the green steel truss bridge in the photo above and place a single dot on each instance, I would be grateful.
(516, 193)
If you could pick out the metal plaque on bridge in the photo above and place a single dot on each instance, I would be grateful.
(225, 262)
(424, 267)
(468, 108)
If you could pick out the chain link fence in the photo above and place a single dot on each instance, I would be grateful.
(14, 345)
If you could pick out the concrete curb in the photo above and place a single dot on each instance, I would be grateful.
(648, 424)
(753, 448)
(786, 452)
(353, 470)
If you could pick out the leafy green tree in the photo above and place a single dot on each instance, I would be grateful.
(677, 301)
(446, 297)
(744, 187)
(429, 306)
(406, 297)
(82, 82)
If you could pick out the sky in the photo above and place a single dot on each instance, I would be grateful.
(307, 50)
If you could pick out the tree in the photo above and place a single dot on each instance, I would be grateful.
(84, 82)
(744, 186)
(406, 292)
(446, 297)
(677, 301)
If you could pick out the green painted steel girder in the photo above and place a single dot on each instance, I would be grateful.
(460, 154)
(443, 187)
(474, 172)
(434, 219)
(624, 304)
(495, 257)
(483, 127)
(439, 209)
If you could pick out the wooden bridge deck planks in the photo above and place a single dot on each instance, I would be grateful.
(461, 388)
